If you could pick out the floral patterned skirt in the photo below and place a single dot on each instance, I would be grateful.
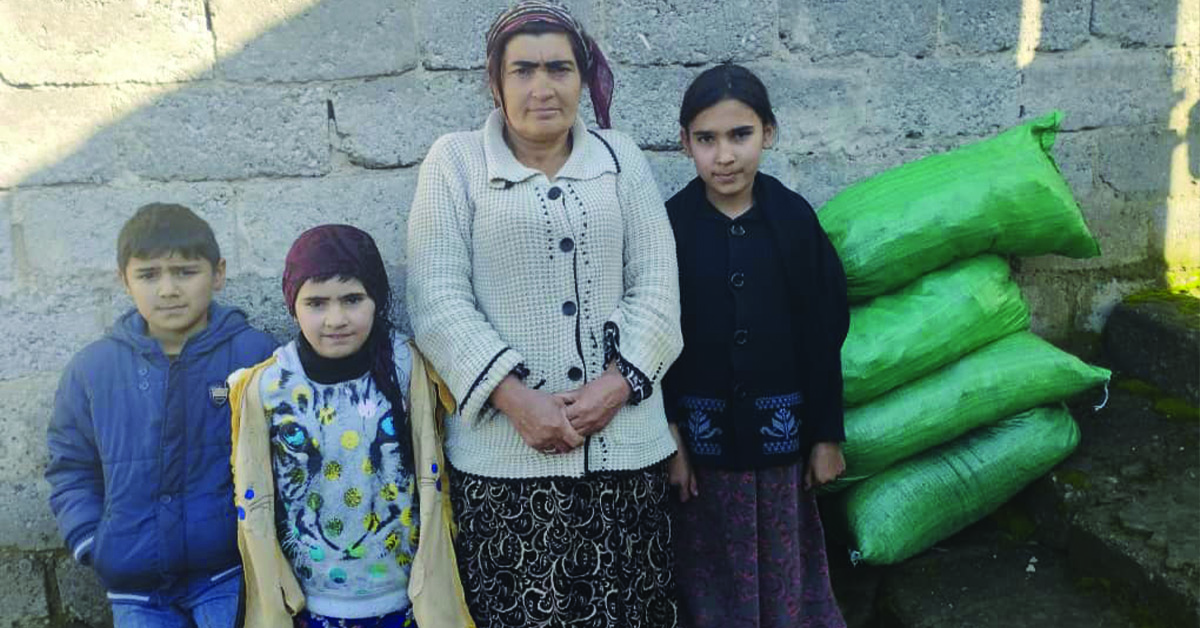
(751, 553)
(591, 552)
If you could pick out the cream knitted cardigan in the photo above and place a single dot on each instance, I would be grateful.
(507, 267)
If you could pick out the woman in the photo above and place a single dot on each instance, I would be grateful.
(543, 287)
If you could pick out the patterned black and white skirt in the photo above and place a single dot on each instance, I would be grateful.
(591, 552)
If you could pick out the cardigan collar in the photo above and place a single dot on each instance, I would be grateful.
(589, 157)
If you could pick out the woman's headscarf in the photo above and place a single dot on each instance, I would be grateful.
(595, 66)
(329, 252)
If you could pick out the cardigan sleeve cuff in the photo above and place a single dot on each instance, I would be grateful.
(472, 404)
(640, 385)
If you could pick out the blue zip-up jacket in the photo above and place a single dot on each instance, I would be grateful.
(139, 453)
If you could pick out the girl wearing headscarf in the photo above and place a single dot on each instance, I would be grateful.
(542, 285)
(329, 520)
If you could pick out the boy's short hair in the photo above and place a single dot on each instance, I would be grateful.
(160, 229)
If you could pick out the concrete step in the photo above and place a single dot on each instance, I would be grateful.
(1125, 507)
(1156, 337)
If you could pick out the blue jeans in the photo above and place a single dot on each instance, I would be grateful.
(200, 603)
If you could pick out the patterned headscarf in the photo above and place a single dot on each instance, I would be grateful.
(595, 66)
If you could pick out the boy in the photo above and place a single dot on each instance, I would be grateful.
(139, 442)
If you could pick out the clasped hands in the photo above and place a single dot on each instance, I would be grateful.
(556, 423)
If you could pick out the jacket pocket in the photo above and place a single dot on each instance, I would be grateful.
(125, 557)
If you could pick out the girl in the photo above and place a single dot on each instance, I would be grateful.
(755, 397)
(329, 517)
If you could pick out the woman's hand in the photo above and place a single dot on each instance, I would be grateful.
(593, 405)
(825, 464)
(540, 418)
(679, 469)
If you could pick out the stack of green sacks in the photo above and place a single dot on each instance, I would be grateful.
(953, 406)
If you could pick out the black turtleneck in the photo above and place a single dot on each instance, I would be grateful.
(333, 370)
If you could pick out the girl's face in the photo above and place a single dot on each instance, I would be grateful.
(541, 86)
(335, 316)
(726, 142)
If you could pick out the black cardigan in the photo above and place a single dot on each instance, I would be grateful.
(817, 289)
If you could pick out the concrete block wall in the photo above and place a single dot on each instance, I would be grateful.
(271, 117)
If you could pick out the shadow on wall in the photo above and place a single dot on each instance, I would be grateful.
(270, 139)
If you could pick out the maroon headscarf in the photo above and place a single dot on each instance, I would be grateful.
(331, 251)
(595, 66)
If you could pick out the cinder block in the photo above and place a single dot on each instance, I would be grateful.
(81, 594)
(826, 29)
(940, 97)
(214, 131)
(23, 597)
(672, 171)
(815, 108)
(61, 247)
(302, 40)
(646, 104)
(1051, 302)
(1175, 234)
(26, 523)
(64, 135)
(1066, 24)
(1075, 155)
(49, 43)
(393, 121)
(981, 25)
(690, 31)
(44, 329)
(198, 132)
(25, 408)
(1136, 161)
(261, 297)
(452, 32)
(1144, 22)
(8, 262)
(1098, 89)
(975, 26)
(271, 214)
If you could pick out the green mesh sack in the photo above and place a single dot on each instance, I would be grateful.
(910, 507)
(1008, 376)
(1002, 195)
(929, 323)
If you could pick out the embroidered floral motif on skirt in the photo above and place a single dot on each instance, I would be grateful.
(592, 552)
(751, 553)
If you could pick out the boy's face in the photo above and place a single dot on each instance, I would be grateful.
(173, 294)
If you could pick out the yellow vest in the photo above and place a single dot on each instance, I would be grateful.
(272, 592)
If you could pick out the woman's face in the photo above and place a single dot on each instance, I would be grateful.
(335, 316)
(541, 84)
